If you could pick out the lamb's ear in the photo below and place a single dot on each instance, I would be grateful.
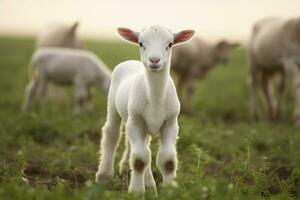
(129, 35)
(74, 27)
(183, 36)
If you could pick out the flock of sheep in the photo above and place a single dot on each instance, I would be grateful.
(142, 94)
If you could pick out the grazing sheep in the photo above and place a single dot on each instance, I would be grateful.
(59, 35)
(64, 66)
(193, 61)
(274, 49)
(143, 95)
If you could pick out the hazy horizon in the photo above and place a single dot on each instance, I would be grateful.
(231, 19)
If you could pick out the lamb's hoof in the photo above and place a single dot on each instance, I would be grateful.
(103, 178)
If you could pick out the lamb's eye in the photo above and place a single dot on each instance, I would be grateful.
(170, 45)
(141, 44)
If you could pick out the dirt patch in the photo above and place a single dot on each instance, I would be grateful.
(35, 175)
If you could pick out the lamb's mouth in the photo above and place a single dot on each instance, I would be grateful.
(154, 67)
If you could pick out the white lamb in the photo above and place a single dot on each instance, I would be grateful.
(143, 95)
(64, 66)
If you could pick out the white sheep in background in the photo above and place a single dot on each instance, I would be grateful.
(274, 49)
(193, 61)
(64, 66)
(59, 35)
(143, 95)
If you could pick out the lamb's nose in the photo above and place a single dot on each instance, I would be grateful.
(154, 60)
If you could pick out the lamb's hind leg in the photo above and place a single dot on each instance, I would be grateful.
(125, 158)
(109, 143)
(166, 160)
(149, 179)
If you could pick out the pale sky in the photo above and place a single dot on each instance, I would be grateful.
(231, 19)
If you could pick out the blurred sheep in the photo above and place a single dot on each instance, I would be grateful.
(274, 50)
(192, 61)
(63, 36)
(64, 66)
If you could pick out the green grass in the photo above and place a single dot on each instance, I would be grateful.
(222, 154)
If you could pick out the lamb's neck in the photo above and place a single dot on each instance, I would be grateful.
(156, 83)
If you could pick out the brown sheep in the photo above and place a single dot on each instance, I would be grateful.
(192, 61)
(274, 50)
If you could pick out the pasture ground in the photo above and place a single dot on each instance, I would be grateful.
(222, 153)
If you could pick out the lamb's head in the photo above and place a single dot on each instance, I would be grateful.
(222, 50)
(155, 44)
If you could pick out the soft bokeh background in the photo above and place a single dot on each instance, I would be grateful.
(212, 19)
(223, 154)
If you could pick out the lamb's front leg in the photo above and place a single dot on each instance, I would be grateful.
(166, 160)
(139, 155)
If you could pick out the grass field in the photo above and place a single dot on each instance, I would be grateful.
(222, 154)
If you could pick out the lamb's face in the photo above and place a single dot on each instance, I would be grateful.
(155, 47)
(155, 44)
